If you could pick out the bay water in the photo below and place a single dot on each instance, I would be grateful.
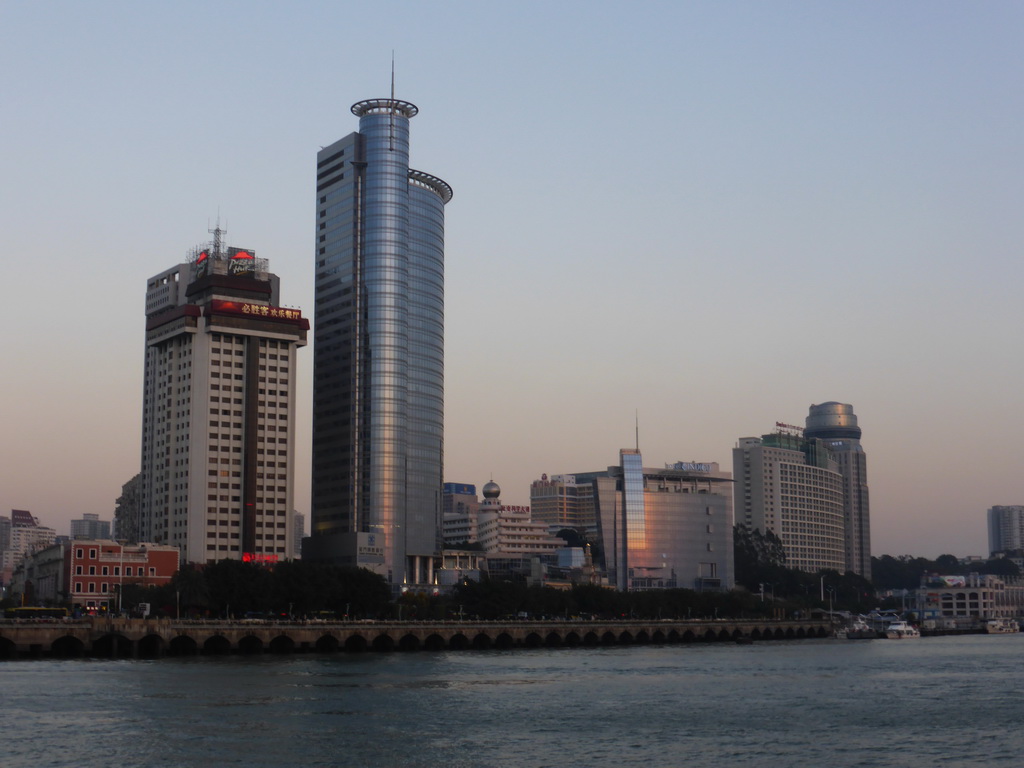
(951, 701)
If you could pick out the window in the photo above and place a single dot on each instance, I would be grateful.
(92, 586)
(92, 570)
(128, 570)
(92, 554)
(79, 553)
(105, 571)
(78, 570)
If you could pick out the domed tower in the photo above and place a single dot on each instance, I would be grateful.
(492, 497)
(836, 425)
(832, 420)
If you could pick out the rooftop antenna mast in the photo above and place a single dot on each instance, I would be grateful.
(636, 417)
(218, 237)
(391, 106)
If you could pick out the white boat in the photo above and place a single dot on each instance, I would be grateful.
(901, 630)
(1001, 626)
(860, 630)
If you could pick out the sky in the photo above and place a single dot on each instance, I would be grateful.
(683, 220)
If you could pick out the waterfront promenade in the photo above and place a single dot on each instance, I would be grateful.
(153, 638)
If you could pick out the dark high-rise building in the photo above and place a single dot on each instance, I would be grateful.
(378, 390)
(836, 425)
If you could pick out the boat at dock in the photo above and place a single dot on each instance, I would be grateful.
(859, 629)
(901, 630)
(1001, 626)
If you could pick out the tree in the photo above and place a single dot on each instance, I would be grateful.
(572, 537)
(191, 593)
(1000, 566)
(237, 588)
(758, 557)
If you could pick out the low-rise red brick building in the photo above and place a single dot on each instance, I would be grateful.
(96, 570)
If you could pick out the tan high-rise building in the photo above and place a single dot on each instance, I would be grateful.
(562, 502)
(218, 430)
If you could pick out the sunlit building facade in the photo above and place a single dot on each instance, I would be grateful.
(563, 502)
(665, 528)
(378, 389)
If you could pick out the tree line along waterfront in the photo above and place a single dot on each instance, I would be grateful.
(766, 587)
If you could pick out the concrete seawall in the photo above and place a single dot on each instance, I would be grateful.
(154, 638)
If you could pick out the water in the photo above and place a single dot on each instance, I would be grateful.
(937, 701)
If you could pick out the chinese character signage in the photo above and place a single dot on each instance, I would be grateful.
(261, 311)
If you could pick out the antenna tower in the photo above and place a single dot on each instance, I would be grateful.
(218, 238)
(391, 110)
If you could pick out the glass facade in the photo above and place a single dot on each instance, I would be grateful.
(379, 351)
(665, 528)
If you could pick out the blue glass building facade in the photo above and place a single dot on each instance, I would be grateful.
(378, 402)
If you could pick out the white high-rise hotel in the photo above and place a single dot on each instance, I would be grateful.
(218, 426)
(809, 486)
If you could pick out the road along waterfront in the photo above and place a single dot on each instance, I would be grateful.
(954, 701)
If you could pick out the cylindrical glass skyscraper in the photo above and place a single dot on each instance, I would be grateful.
(378, 406)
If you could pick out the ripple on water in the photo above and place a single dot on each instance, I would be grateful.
(955, 701)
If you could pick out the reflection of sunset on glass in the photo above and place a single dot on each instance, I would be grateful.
(673, 228)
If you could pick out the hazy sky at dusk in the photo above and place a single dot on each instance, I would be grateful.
(709, 214)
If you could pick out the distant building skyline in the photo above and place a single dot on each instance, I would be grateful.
(1005, 528)
(89, 526)
(20, 535)
(378, 378)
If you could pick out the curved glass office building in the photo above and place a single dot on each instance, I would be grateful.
(378, 403)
